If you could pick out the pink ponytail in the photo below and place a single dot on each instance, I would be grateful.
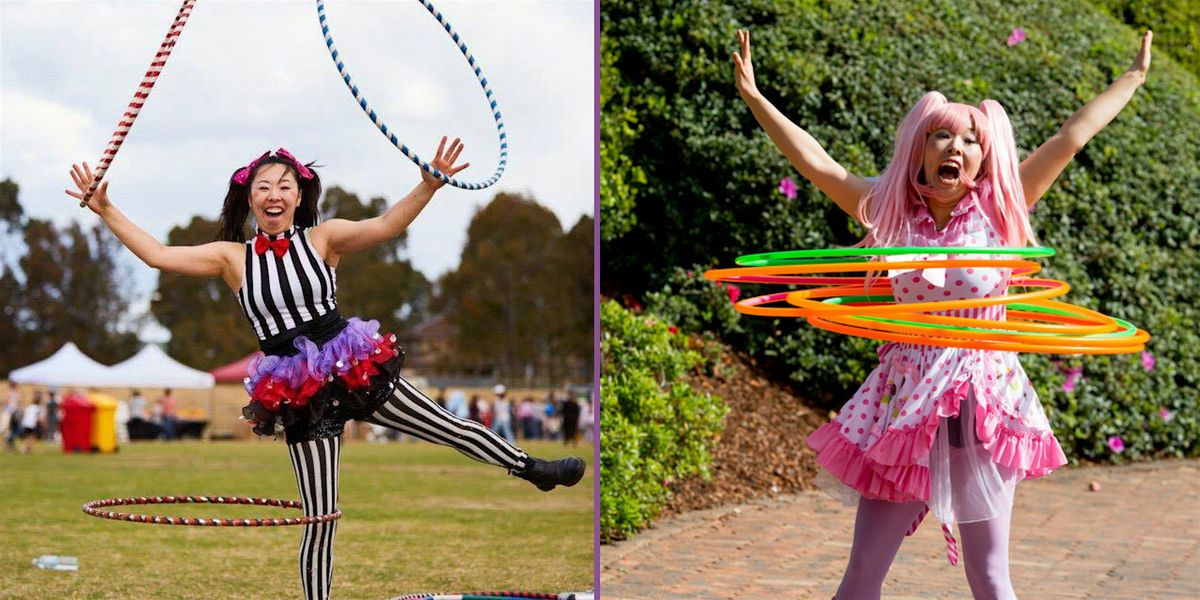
(1002, 167)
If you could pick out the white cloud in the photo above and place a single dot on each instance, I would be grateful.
(37, 130)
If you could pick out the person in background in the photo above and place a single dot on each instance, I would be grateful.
(502, 414)
(587, 418)
(475, 409)
(31, 423)
(485, 412)
(10, 421)
(52, 432)
(457, 405)
(122, 416)
(137, 406)
(167, 415)
(570, 421)
(526, 419)
(553, 420)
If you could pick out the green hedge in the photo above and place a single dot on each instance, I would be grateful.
(656, 429)
(1176, 25)
(698, 178)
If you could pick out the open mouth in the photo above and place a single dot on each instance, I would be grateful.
(273, 212)
(948, 173)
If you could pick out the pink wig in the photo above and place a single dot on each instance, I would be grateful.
(884, 210)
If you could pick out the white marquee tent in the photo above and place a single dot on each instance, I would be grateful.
(151, 368)
(67, 367)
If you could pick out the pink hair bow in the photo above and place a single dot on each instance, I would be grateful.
(243, 174)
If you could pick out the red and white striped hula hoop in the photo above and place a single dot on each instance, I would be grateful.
(93, 508)
(139, 97)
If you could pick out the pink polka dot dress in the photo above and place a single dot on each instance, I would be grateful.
(955, 428)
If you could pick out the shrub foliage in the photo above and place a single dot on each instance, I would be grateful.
(656, 428)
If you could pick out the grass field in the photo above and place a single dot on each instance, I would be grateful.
(417, 518)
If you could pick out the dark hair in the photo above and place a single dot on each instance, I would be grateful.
(232, 225)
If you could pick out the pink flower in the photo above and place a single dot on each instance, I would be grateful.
(1147, 361)
(1166, 415)
(1073, 376)
(734, 292)
(1116, 444)
(787, 187)
(1016, 37)
(689, 274)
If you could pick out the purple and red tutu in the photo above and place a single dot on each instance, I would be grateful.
(352, 363)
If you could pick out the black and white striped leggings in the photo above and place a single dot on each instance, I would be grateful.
(316, 466)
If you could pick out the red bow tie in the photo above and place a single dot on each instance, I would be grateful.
(279, 246)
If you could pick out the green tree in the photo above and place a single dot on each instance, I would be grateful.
(571, 340)
(74, 292)
(10, 207)
(12, 353)
(501, 298)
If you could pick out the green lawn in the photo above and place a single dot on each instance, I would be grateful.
(417, 518)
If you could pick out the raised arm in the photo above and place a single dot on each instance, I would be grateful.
(208, 260)
(1043, 166)
(336, 237)
(800, 148)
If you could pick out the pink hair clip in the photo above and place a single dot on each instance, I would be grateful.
(303, 171)
(243, 174)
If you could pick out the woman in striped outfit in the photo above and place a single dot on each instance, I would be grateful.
(318, 369)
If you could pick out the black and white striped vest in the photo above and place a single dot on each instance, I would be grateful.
(281, 292)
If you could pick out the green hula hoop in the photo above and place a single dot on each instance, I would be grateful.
(792, 257)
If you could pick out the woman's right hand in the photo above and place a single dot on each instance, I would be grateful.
(743, 68)
(83, 177)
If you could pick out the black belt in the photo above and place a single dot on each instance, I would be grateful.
(319, 330)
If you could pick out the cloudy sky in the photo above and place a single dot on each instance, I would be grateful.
(248, 76)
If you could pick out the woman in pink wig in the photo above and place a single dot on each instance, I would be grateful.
(944, 430)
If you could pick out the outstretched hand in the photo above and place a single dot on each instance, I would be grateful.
(444, 161)
(83, 177)
(1141, 62)
(743, 68)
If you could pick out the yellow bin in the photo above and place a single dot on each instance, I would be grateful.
(104, 422)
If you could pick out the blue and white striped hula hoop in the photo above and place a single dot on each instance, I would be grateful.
(404, 149)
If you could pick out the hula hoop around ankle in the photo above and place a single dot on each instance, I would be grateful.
(92, 508)
(404, 149)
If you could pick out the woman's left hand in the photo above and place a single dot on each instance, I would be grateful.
(444, 162)
(1141, 62)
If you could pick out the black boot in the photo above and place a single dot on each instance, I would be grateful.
(546, 474)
